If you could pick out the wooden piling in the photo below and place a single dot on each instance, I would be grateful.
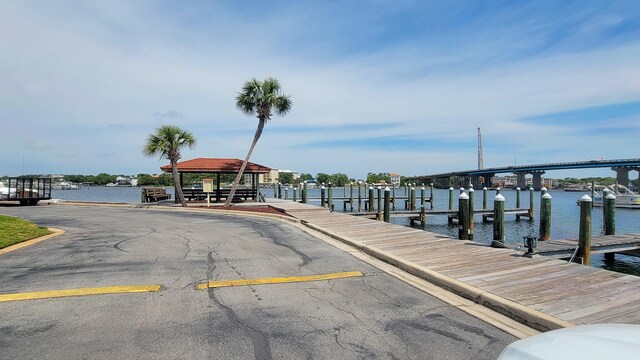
(471, 206)
(379, 204)
(461, 190)
(431, 195)
(387, 200)
(371, 199)
(609, 221)
(484, 198)
(350, 196)
(498, 222)
(609, 209)
(545, 217)
(412, 194)
(584, 235)
(286, 193)
(322, 195)
(422, 195)
(593, 193)
(531, 204)
(330, 197)
(359, 197)
(517, 198)
(463, 215)
(305, 194)
(423, 216)
(275, 190)
(451, 198)
(498, 191)
(393, 196)
(295, 189)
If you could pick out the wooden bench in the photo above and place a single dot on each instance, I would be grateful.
(154, 194)
(242, 194)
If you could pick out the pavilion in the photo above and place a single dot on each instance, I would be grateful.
(219, 166)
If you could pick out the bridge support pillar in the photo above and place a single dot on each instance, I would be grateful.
(475, 181)
(520, 180)
(537, 180)
(622, 175)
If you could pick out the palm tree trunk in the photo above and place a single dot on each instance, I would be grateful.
(176, 183)
(236, 182)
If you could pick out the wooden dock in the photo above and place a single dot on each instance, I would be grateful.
(542, 292)
(562, 249)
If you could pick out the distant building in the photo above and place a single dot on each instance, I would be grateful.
(272, 176)
(395, 178)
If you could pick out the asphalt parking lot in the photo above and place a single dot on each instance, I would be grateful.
(372, 315)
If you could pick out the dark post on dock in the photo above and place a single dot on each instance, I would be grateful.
(609, 224)
(498, 222)
(431, 195)
(379, 204)
(451, 198)
(609, 209)
(545, 217)
(484, 198)
(463, 216)
(304, 192)
(584, 235)
(322, 195)
(470, 218)
(387, 200)
(531, 204)
(330, 197)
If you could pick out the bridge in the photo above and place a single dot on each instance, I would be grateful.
(480, 177)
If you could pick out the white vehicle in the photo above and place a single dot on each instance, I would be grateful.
(602, 341)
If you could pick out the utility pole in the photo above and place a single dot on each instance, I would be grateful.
(480, 161)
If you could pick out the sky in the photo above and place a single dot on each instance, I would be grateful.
(377, 86)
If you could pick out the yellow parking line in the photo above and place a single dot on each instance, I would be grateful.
(277, 280)
(79, 292)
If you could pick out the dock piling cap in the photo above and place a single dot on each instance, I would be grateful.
(387, 189)
(586, 198)
(518, 188)
(484, 188)
(463, 196)
(471, 189)
(499, 197)
(546, 196)
(610, 197)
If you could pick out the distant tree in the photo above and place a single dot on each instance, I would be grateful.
(323, 178)
(260, 98)
(339, 179)
(285, 177)
(104, 179)
(380, 177)
(305, 177)
(167, 141)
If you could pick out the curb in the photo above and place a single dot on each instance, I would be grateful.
(525, 315)
(26, 243)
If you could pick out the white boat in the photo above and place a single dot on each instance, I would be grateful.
(5, 192)
(625, 198)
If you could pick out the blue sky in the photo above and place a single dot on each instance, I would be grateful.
(377, 86)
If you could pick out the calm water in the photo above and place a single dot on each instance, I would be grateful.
(564, 216)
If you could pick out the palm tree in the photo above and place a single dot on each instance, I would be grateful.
(260, 99)
(167, 141)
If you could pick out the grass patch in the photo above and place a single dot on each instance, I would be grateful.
(14, 230)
